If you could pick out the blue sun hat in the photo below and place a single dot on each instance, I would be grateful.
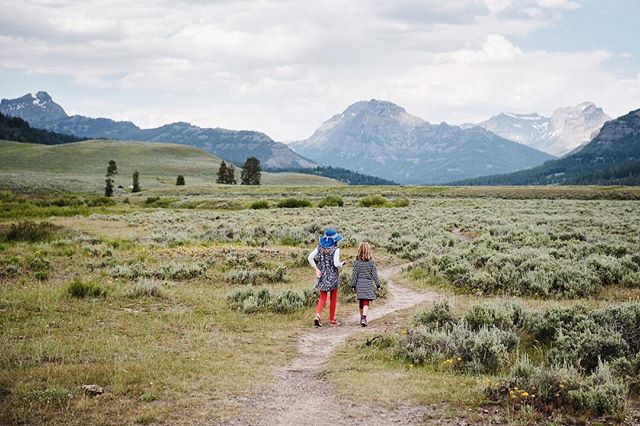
(330, 238)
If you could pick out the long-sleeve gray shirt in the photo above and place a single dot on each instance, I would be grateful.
(365, 276)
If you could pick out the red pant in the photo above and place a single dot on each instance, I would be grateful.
(363, 302)
(333, 300)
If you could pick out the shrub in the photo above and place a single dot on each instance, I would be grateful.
(80, 289)
(460, 347)
(180, 271)
(288, 301)
(293, 203)
(331, 201)
(257, 205)
(237, 298)
(100, 202)
(439, 315)
(30, 231)
(561, 387)
(373, 201)
(310, 297)
(505, 316)
(158, 201)
(180, 180)
(144, 288)
(400, 202)
(247, 301)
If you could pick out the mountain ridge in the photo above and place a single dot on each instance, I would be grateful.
(382, 139)
(41, 111)
(559, 134)
(612, 157)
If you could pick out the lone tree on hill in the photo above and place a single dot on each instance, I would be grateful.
(250, 174)
(222, 173)
(180, 180)
(231, 174)
(112, 168)
(108, 188)
(136, 182)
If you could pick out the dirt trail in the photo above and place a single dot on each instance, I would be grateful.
(299, 396)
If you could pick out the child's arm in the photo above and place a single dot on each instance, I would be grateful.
(374, 274)
(312, 262)
(336, 259)
(354, 277)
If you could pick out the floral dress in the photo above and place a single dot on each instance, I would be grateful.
(330, 279)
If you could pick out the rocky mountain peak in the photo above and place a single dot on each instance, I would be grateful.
(36, 109)
(566, 129)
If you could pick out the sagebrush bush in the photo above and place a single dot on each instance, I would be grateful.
(288, 301)
(249, 301)
(30, 231)
(258, 205)
(373, 201)
(143, 288)
(505, 316)
(253, 276)
(439, 315)
(293, 203)
(562, 388)
(81, 289)
(400, 202)
(459, 347)
(331, 201)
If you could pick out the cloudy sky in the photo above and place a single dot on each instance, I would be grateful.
(285, 66)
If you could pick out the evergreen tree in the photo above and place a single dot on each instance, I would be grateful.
(222, 173)
(250, 174)
(231, 175)
(136, 182)
(180, 180)
(112, 168)
(108, 188)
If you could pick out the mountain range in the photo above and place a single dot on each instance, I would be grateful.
(382, 139)
(41, 111)
(564, 131)
(612, 157)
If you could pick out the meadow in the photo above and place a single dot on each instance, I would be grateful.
(179, 302)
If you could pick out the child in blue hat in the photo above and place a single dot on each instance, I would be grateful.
(326, 268)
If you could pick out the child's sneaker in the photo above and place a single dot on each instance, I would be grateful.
(334, 323)
(317, 321)
(363, 321)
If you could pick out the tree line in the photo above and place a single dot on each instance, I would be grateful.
(250, 174)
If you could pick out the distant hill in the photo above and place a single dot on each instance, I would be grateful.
(564, 131)
(343, 175)
(611, 158)
(235, 146)
(81, 166)
(16, 129)
(381, 139)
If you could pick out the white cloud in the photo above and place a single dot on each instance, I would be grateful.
(283, 67)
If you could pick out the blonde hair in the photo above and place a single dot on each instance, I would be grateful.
(364, 252)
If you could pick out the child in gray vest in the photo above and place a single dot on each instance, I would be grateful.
(365, 276)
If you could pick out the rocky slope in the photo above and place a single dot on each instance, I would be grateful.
(611, 158)
(41, 111)
(381, 139)
(565, 130)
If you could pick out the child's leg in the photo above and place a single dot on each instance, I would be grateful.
(365, 307)
(321, 302)
(360, 305)
(333, 300)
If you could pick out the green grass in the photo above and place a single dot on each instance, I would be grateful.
(81, 166)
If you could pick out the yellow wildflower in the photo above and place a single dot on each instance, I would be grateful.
(525, 394)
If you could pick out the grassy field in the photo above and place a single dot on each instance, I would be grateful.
(159, 297)
(82, 166)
